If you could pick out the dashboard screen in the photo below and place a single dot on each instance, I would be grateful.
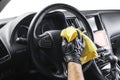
(100, 38)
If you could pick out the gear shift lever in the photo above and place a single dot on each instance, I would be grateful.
(113, 60)
(114, 67)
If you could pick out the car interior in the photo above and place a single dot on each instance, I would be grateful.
(27, 53)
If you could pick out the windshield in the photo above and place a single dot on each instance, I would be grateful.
(18, 7)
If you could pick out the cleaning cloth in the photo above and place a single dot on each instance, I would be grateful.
(89, 52)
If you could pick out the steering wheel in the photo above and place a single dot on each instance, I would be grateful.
(46, 48)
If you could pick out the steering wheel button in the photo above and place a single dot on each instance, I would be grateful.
(45, 42)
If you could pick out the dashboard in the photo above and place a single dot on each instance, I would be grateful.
(13, 35)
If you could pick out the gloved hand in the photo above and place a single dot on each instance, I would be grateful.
(72, 50)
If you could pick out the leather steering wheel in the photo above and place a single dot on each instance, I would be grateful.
(46, 48)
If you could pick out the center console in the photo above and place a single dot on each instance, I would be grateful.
(107, 62)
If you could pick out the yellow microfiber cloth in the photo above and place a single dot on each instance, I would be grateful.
(90, 50)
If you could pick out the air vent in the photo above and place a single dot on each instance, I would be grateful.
(71, 22)
(3, 53)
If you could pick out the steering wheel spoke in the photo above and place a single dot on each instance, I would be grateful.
(48, 39)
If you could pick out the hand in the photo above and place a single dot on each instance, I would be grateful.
(72, 50)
